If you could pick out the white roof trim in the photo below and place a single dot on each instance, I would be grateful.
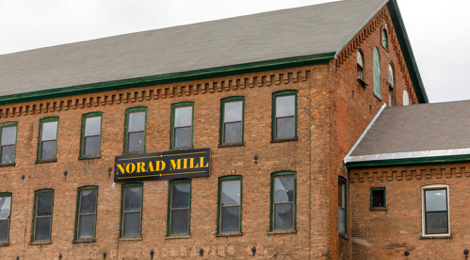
(406, 155)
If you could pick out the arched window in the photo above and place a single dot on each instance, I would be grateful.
(391, 84)
(406, 98)
(384, 38)
(377, 73)
(360, 66)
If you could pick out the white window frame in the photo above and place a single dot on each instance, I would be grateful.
(423, 213)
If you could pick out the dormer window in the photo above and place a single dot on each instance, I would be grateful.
(360, 67)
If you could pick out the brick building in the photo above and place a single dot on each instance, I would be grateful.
(222, 139)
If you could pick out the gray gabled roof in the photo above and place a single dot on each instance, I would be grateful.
(303, 31)
(417, 131)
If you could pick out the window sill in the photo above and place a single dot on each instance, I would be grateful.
(133, 152)
(89, 157)
(228, 234)
(181, 148)
(84, 241)
(46, 161)
(343, 236)
(41, 243)
(231, 145)
(130, 239)
(436, 237)
(177, 237)
(285, 231)
(363, 83)
(378, 209)
(4, 244)
(378, 97)
(7, 164)
(384, 47)
(285, 140)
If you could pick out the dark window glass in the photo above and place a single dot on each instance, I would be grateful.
(8, 154)
(384, 39)
(285, 116)
(132, 211)
(92, 136)
(87, 214)
(180, 199)
(43, 216)
(233, 116)
(284, 202)
(183, 118)
(436, 211)
(136, 131)
(378, 198)
(230, 206)
(341, 207)
(48, 140)
(5, 210)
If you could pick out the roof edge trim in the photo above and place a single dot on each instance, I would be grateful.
(411, 161)
(170, 78)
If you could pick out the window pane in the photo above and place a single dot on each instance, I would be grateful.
(360, 61)
(43, 229)
(183, 116)
(180, 196)
(436, 200)
(48, 150)
(285, 127)
(179, 221)
(131, 224)
(377, 87)
(136, 122)
(183, 137)
(5, 206)
(4, 231)
(230, 219)
(378, 198)
(340, 194)
(230, 193)
(436, 223)
(233, 132)
(92, 126)
(341, 220)
(133, 199)
(88, 201)
(92, 145)
(136, 141)
(44, 206)
(285, 106)
(49, 131)
(391, 77)
(284, 189)
(86, 226)
(284, 216)
(8, 154)
(8, 135)
(233, 111)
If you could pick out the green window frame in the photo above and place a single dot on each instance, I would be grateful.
(80, 214)
(174, 128)
(220, 206)
(171, 208)
(377, 87)
(372, 191)
(275, 116)
(7, 148)
(85, 135)
(274, 203)
(34, 232)
(384, 39)
(342, 205)
(223, 122)
(127, 132)
(124, 212)
(41, 141)
(5, 219)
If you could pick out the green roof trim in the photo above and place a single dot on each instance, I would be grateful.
(407, 51)
(170, 78)
(465, 158)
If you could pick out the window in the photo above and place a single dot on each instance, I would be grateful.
(435, 210)
(47, 149)
(5, 212)
(232, 120)
(182, 125)
(377, 90)
(42, 221)
(230, 199)
(285, 114)
(342, 207)
(86, 212)
(406, 98)
(360, 66)
(384, 38)
(283, 201)
(91, 134)
(179, 208)
(131, 210)
(8, 142)
(136, 119)
(391, 84)
(377, 198)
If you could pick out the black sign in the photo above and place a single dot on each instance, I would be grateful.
(165, 165)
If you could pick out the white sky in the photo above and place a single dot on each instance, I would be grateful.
(438, 30)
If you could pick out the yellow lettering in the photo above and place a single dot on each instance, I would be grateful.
(120, 168)
(202, 163)
(175, 165)
(185, 163)
(141, 167)
(150, 167)
(158, 168)
(130, 170)
(191, 163)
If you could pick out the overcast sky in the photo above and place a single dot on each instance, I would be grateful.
(439, 30)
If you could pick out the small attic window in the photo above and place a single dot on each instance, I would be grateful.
(384, 37)
(360, 67)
